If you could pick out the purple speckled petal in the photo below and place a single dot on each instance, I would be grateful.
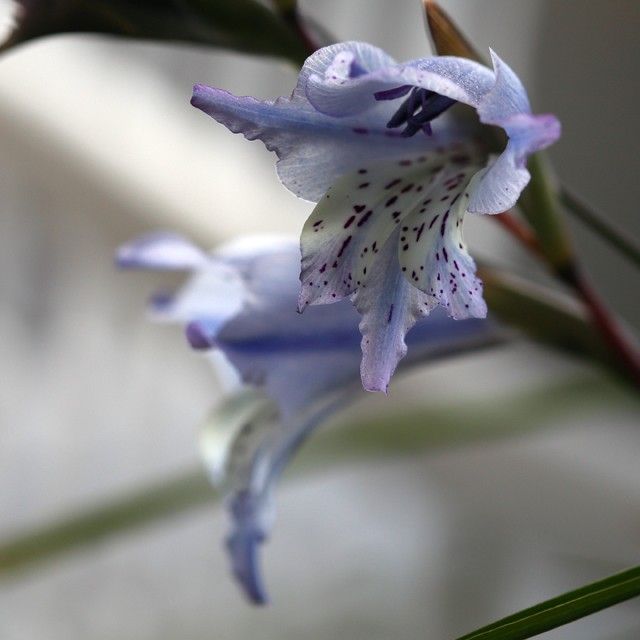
(432, 253)
(389, 306)
(342, 238)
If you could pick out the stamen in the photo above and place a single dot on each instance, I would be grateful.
(417, 111)
(393, 94)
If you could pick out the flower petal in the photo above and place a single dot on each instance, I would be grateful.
(314, 150)
(246, 445)
(342, 237)
(507, 105)
(160, 250)
(498, 96)
(267, 341)
(431, 251)
(233, 444)
(457, 78)
(389, 306)
(215, 292)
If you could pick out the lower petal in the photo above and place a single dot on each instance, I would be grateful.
(389, 306)
(432, 253)
(246, 445)
(346, 231)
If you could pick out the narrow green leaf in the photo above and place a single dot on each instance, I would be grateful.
(617, 238)
(548, 317)
(562, 609)
(241, 25)
(413, 430)
(170, 498)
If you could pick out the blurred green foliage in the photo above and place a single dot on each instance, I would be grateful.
(240, 25)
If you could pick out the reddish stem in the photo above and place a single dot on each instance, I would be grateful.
(613, 334)
(520, 231)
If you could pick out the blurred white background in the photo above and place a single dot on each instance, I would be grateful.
(99, 143)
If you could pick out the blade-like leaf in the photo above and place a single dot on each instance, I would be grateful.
(241, 25)
(548, 317)
(563, 609)
(413, 430)
(617, 238)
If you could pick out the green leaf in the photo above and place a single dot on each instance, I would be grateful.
(601, 226)
(413, 430)
(241, 25)
(540, 205)
(170, 498)
(548, 317)
(563, 609)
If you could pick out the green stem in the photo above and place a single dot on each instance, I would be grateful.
(599, 225)
(548, 318)
(539, 204)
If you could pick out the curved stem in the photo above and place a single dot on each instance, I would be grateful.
(613, 334)
(599, 225)
(521, 231)
(611, 330)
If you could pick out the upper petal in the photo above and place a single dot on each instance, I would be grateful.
(315, 149)
(507, 105)
(457, 78)
(498, 96)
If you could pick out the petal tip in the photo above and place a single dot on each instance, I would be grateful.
(197, 336)
(242, 545)
(375, 381)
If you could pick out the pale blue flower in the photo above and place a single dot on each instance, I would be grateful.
(240, 300)
(387, 230)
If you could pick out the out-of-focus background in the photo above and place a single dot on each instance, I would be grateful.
(99, 143)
